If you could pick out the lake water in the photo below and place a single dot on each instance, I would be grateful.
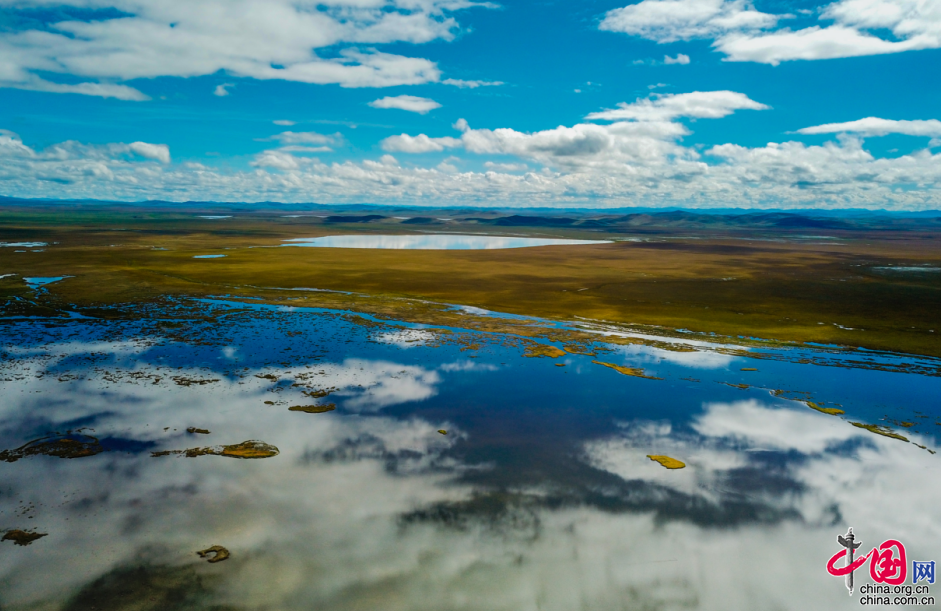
(539, 496)
(39, 282)
(432, 242)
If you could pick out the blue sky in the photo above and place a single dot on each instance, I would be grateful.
(698, 103)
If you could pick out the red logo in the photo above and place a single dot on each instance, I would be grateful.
(887, 563)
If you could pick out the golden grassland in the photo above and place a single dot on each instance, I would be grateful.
(729, 283)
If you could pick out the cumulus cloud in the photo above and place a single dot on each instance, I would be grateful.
(672, 20)
(849, 28)
(221, 90)
(634, 155)
(295, 142)
(403, 143)
(506, 167)
(157, 152)
(280, 160)
(470, 84)
(643, 132)
(698, 104)
(873, 126)
(679, 59)
(410, 103)
(109, 41)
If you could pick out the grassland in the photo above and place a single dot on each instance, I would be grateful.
(732, 280)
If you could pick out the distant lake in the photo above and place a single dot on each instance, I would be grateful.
(432, 242)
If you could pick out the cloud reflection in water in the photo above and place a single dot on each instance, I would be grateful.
(370, 503)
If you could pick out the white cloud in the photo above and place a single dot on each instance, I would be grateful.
(672, 20)
(290, 137)
(643, 132)
(506, 167)
(276, 159)
(261, 39)
(645, 356)
(101, 90)
(403, 143)
(679, 59)
(638, 159)
(782, 429)
(157, 152)
(873, 126)
(849, 28)
(810, 44)
(284, 122)
(221, 90)
(406, 338)
(470, 84)
(698, 104)
(410, 103)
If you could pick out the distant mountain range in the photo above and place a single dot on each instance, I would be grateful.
(597, 219)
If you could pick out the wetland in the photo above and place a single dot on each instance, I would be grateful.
(611, 425)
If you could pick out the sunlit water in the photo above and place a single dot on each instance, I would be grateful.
(540, 495)
(432, 242)
(39, 282)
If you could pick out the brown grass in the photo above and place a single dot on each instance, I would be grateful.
(779, 290)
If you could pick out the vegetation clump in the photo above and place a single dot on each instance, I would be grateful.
(628, 371)
(250, 449)
(832, 411)
(666, 461)
(880, 430)
(184, 381)
(214, 554)
(246, 449)
(577, 348)
(535, 350)
(313, 409)
(318, 394)
(73, 446)
(21, 537)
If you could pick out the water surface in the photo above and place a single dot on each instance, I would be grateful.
(539, 496)
(433, 242)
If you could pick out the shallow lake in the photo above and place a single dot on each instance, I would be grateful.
(539, 495)
(432, 242)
